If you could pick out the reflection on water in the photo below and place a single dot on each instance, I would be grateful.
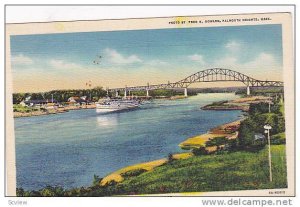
(107, 120)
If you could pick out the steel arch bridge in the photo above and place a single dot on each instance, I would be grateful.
(208, 75)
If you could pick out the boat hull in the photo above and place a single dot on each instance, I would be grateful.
(113, 108)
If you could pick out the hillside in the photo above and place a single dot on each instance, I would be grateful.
(234, 171)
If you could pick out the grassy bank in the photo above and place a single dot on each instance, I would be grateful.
(234, 171)
(118, 176)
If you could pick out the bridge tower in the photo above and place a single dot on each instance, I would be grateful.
(248, 90)
(185, 92)
(107, 91)
(147, 90)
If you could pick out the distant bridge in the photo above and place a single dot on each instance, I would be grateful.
(208, 75)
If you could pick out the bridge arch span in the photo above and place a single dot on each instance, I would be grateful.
(208, 75)
(221, 74)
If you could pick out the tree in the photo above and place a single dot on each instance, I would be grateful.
(20, 192)
(216, 141)
(199, 151)
(170, 158)
(96, 180)
(246, 133)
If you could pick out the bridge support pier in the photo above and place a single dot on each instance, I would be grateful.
(125, 93)
(117, 93)
(147, 93)
(185, 92)
(248, 90)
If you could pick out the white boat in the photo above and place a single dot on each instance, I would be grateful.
(113, 105)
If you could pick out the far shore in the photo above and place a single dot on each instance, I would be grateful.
(73, 107)
(53, 111)
(237, 104)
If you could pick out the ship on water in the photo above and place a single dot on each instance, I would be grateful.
(115, 105)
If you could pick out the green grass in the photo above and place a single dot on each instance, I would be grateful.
(134, 172)
(23, 109)
(234, 171)
(278, 138)
(281, 105)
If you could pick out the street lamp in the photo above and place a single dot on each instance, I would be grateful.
(267, 128)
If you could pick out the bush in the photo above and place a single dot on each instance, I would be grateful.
(216, 141)
(132, 173)
(20, 192)
(260, 116)
(278, 138)
(96, 180)
(170, 158)
(199, 151)
(50, 191)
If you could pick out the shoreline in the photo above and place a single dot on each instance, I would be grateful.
(52, 111)
(228, 130)
(68, 108)
(236, 104)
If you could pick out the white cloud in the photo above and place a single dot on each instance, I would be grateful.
(263, 60)
(233, 46)
(63, 65)
(115, 57)
(264, 66)
(197, 58)
(157, 62)
(21, 60)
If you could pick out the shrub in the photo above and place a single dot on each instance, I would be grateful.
(132, 173)
(278, 138)
(216, 141)
(96, 180)
(170, 158)
(50, 191)
(199, 151)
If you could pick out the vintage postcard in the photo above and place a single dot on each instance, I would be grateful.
(177, 106)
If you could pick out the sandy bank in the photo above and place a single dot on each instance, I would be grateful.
(228, 130)
(148, 166)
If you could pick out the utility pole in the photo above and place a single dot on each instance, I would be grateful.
(269, 103)
(267, 128)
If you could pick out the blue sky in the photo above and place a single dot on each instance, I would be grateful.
(65, 61)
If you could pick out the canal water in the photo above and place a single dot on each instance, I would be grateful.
(68, 149)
